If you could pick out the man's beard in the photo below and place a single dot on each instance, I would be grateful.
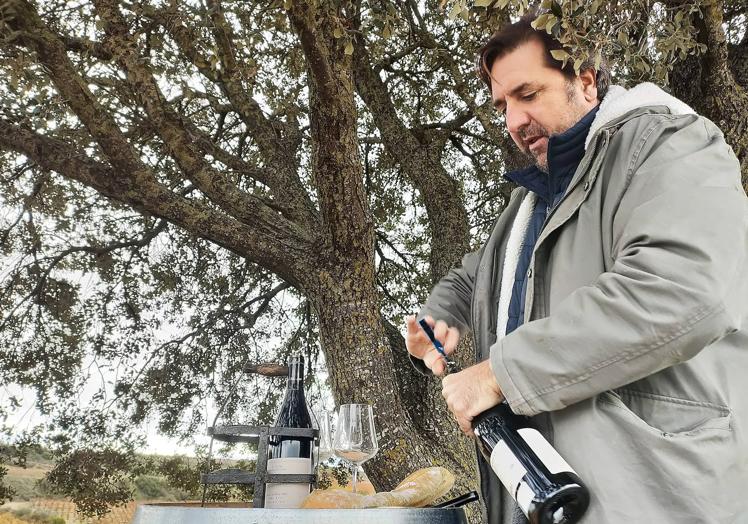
(536, 130)
(576, 112)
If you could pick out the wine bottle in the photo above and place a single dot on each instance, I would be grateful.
(290, 454)
(546, 488)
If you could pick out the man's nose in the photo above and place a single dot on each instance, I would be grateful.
(516, 119)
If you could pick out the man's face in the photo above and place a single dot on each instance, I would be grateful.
(538, 101)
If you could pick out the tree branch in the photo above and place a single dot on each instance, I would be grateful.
(51, 51)
(171, 129)
(267, 369)
(149, 197)
(441, 194)
(41, 280)
(87, 47)
(303, 17)
(279, 154)
(336, 161)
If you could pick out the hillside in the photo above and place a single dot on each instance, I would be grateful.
(35, 503)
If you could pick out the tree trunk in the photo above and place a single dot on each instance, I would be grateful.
(414, 432)
(341, 281)
(709, 85)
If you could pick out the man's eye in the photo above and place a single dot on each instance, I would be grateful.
(529, 96)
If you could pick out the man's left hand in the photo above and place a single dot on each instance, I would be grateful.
(471, 392)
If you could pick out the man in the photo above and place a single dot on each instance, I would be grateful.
(610, 302)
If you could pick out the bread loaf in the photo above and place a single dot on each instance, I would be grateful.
(417, 490)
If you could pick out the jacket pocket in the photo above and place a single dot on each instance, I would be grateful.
(670, 416)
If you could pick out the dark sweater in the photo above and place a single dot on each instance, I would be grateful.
(565, 151)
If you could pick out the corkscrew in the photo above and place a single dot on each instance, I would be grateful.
(452, 366)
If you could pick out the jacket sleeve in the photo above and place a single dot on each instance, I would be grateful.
(451, 298)
(680, 236)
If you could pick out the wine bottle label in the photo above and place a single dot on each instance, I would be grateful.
(545, 452)
(290, 495)
(511, 472)
(507, 467)
(524, 498)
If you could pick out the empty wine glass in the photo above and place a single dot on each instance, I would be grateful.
(355, 438)
(325, 450)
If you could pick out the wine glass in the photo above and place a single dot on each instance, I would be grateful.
(355, 438)
(325, 450)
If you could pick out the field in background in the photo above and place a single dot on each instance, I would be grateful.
(57, 511)
(33, 503)
(6, 518)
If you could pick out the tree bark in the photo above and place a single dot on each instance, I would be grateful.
(450, 234)
(708, 84)
(364, 366)
(364, 371)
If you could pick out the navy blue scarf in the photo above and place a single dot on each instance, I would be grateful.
(565, 151)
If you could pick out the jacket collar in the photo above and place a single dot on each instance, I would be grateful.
(565, 151)
(619, 101)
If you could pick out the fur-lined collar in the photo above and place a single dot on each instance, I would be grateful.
(619, 101)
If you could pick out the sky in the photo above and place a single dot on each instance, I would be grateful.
(27, 416)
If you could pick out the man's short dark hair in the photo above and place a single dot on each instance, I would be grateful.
(511, 36)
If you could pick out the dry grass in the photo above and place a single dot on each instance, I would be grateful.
(66, 510)
(7, 518)
(27, 473)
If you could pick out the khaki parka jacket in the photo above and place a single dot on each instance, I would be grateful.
(633, 357)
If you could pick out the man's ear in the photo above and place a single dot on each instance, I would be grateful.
(588, 79)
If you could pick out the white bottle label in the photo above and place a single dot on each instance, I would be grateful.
(506, 466)
(524, 498)
(289, 495)
(545, 452)
(511, 471)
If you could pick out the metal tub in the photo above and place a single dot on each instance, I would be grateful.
(185, 514)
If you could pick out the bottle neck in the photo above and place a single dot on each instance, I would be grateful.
(295, 379)
(503, 412)
(294, 412)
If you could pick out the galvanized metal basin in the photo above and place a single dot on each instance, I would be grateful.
(181, 514)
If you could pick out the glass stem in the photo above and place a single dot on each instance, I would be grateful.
(354, 477)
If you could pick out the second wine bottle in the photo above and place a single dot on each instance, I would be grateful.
(291, 454)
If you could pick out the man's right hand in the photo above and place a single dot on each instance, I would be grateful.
(420, 346)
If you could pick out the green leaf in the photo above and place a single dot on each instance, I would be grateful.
(560, 55)
(552, 21)
(337, 33)
(386, 32)
(349, 48)
(503, 3)
(483, 3)
(540, 21)
(455, 11)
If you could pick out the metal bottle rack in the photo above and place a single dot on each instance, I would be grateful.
(259, 477)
